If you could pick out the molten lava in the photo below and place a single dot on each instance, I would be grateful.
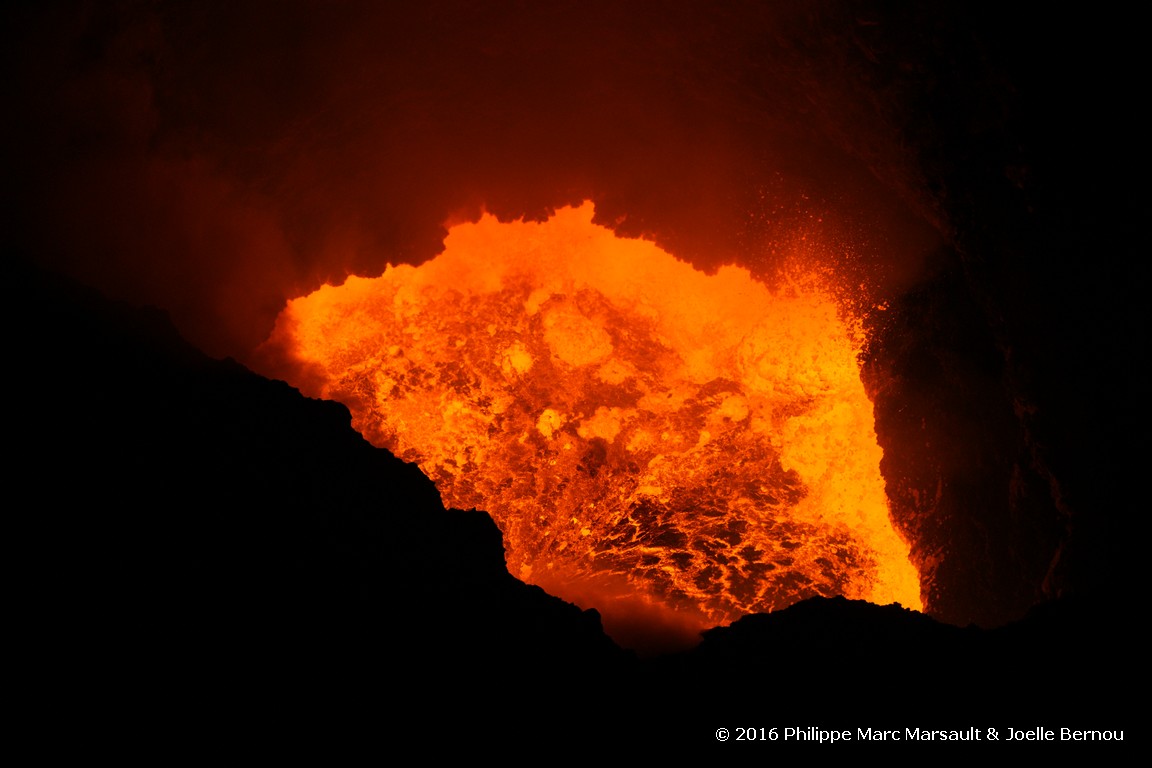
(647, 437)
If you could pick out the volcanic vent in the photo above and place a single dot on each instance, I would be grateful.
(651, 440)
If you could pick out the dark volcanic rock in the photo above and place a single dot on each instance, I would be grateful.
(842, 663)
(202, 534)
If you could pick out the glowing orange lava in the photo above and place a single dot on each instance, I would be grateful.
(647, 437)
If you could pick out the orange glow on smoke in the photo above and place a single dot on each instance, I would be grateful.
(652, 441)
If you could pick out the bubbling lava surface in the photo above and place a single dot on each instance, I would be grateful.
(660, 444)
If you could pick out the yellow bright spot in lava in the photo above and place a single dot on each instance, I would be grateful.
(652, 441)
